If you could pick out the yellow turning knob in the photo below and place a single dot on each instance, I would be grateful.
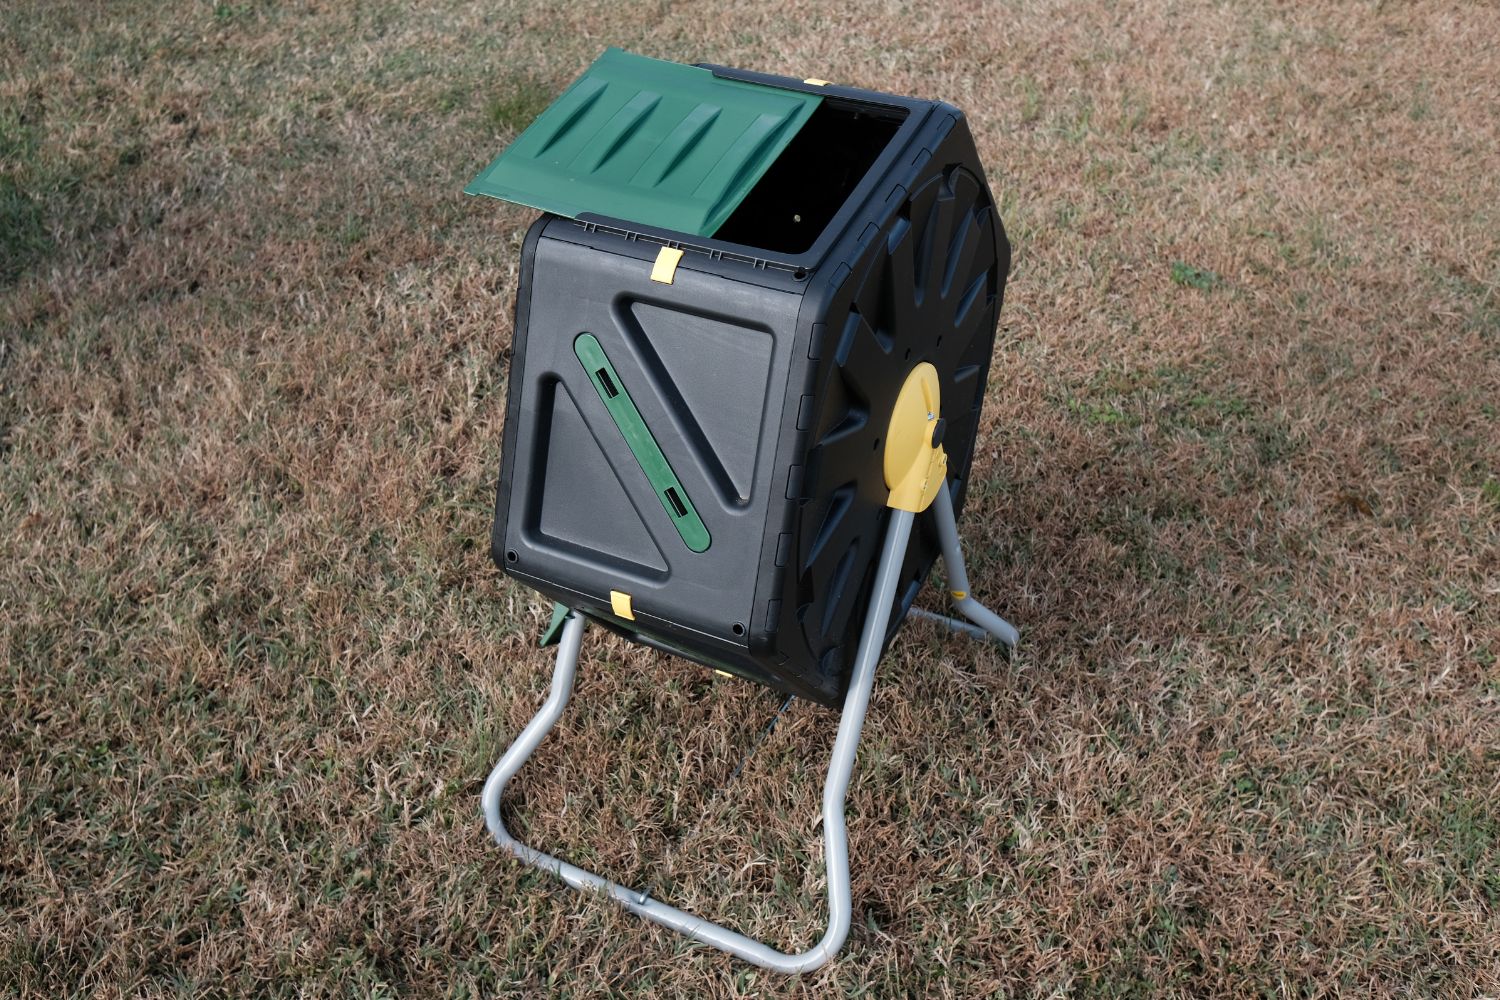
(915, 464)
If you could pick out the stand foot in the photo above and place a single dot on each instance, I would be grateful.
(987, 624)
(841, 766)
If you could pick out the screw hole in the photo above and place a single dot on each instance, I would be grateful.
(511, 556)
(800, 274)
(738, 628)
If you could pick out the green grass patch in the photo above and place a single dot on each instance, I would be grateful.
(23, 231)
(520, 100)
(1490, 491)
(1200, 278)
(255, 661)
(23, 225)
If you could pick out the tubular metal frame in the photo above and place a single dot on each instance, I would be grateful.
(841, 765)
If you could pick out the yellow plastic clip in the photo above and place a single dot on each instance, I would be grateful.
(665, 268)
(816, 83)
(620, 603)
(959, 595)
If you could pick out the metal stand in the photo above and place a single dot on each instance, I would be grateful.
(835, 837)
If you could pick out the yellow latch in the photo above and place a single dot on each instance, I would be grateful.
(665, 268)
(620, 603)
(816, 82)
(915, 463)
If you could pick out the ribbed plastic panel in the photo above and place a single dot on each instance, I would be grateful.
(650, 142)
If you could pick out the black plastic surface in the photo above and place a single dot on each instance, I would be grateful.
(768, 388)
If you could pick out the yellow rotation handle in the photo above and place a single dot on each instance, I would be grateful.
(915, 464)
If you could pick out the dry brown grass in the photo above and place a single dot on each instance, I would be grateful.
(1240, 489)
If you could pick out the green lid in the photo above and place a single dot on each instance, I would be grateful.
(648, 141)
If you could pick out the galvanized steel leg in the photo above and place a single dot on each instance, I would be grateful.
(987, 624)
(841, 766)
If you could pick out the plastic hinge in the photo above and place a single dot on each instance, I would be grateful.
(794, 483)
(815, 341)
(713, 253)
(805, 412)
(840, 275)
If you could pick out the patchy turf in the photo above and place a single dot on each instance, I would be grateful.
(1239, 486)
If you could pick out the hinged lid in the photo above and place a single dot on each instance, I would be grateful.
(647, 141)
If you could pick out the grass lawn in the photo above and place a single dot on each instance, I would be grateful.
(1238, 484)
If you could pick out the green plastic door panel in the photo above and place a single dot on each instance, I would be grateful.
(647, 141)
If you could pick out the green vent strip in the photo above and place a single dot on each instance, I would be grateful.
(674, 499)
